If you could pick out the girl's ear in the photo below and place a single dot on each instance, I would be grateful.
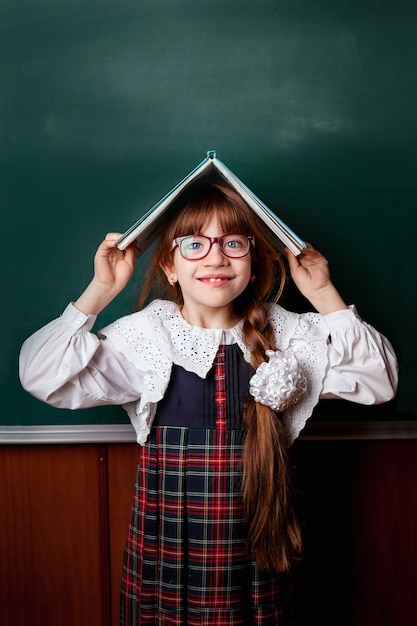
(169, 270)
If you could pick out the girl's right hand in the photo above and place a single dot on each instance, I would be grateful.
(113, 269)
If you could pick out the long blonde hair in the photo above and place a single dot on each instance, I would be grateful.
(273, 530)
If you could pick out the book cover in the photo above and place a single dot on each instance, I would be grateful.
(145, 230)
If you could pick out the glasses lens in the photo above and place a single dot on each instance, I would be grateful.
(234, 246)
(194, 247)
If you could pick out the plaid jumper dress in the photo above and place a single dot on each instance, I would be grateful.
(186, 560)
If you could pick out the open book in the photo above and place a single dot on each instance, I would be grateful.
(145, 230)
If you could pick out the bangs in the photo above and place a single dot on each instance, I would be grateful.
(232, 213)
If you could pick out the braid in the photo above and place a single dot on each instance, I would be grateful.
(274, 536)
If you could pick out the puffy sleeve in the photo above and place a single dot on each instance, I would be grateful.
(362, 366)
(67, 366)
(342, 357)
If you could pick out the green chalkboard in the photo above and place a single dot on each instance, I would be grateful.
(106, 104)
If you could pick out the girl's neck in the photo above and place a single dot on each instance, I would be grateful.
(210, 318)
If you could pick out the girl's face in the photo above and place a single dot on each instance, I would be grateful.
(210, 285)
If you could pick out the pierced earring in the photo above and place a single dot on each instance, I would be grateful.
(252, 278)
(171, 281)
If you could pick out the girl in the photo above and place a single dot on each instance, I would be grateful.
(218, 380)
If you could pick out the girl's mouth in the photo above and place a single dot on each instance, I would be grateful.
(215, 280)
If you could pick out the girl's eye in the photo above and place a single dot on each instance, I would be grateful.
(233, 243)
(191, 246)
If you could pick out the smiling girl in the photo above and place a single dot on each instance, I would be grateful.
(218, 380)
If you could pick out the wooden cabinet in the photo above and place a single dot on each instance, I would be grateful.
(63, 518)
(64, 512)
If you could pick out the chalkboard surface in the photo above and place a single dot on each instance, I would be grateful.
(105, 105)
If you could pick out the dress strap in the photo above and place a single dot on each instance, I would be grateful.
(220, 393)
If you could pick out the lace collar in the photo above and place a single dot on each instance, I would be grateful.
(192, 347)
(158, 336)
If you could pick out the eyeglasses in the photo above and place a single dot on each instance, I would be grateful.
(195, 247)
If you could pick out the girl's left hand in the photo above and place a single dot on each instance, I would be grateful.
(311, 274)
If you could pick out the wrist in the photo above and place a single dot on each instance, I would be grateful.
(94, 298)
(327, 300)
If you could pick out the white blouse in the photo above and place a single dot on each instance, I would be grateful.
(129, 362)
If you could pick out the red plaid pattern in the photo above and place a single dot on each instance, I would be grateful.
(186, 561)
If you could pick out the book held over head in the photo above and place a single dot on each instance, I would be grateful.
(145, 230)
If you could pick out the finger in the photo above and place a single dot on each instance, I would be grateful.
(112, 237)
(129, 253)
(293, 261)
(290, 255)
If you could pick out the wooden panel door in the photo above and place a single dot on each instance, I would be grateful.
(122, 461)
(384, 530)
(53, 533)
